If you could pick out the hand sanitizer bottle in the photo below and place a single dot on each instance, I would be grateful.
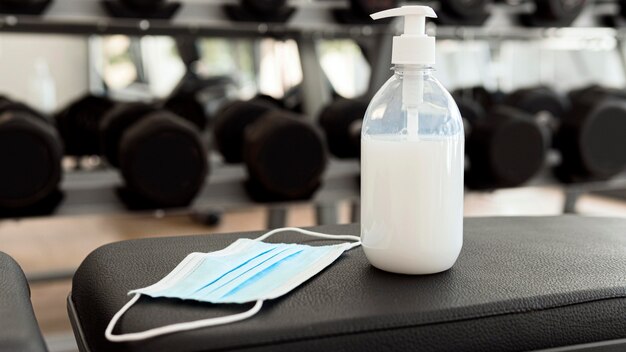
(412, 146)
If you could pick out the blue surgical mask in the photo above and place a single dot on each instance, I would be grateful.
(246, 271)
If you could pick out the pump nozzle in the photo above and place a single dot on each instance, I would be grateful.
(414, 17)
(413, 46)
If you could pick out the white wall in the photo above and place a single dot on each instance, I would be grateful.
(66, 58)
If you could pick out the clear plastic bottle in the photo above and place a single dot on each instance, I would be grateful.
(412, 162)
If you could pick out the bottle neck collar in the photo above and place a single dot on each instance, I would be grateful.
(421, 69)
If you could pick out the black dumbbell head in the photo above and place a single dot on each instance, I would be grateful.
(335, 120)
(79, 124)
(463, 12)
(291, 101)
(479, 94)
(368, 7)
(22, 2)
(592, 142)
(285, 157)
(269, 99)
(537, 100)
(360, 11)
(354, 132)
(470, 110)
(603, 140)
(264, 7)
(143, 5)
(260, 10)
(163, 160)
(505, 150)
(15, 106)
(588, 97)
(465, 8)
(25, 7)
(187, 106)
(30, 155)
(554, 13)
(230, 123)
(115, 123)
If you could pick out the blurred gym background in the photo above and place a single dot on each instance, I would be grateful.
(123, 119)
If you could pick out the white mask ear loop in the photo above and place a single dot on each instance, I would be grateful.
(168, 329)
(204, 323)
(357, 239)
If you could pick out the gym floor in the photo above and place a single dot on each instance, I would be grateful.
(61, 243)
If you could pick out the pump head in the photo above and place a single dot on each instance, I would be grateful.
(413, 47)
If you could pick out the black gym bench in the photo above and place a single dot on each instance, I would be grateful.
(521, 283)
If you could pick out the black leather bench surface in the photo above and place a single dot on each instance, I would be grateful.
(520, 283)
(18, 327)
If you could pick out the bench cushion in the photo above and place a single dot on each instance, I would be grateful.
(520, 283)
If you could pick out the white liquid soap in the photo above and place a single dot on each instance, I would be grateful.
(412, 204)
(412, 155)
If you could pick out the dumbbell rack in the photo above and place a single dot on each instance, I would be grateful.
(311, 21)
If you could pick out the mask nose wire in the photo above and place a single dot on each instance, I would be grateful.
(168, 329)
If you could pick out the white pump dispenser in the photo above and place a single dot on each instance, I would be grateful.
(413, 47)
(412, 154)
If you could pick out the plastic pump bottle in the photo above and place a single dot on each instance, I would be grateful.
(412, 146)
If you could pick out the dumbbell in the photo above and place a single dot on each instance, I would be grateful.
(158, 9)
(260, 10)
(30, 158)
(592, 139)
(359, 11)
(341, 122)
(484, 97)
(589, 137)
(463, 12)
(284, 155)
(143, 5)
(160, 155)
(24, 7)
(187, 105)
(505, 147)
(553, 13)
(79, 122)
